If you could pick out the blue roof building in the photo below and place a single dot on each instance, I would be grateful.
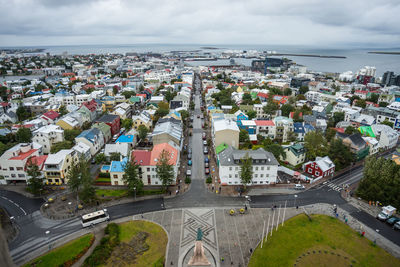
(126, 139)
(91, 134)
(118, 166)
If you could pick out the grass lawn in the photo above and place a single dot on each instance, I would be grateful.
(325, 241)
(103, 179)
(111, 192)
(63, 254)
(157, 241)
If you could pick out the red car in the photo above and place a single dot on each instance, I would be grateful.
(207, 171)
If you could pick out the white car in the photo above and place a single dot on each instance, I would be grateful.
(299, 187)
(188, 172)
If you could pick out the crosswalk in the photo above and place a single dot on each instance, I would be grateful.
(332, 186)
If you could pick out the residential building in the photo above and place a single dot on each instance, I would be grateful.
(356, 144)
(266, 128)
(57, 166)
(167, 130)
(283, 126)
(14, 162)
(111, 120)
(83, 151)
(93, 138)
(47, 136)
(105, 129)
(225, 131)
(123, 110)
(141, 119)
(321, 167)
(373, 144)
(386, 136)
(295, 154)
(265, 166)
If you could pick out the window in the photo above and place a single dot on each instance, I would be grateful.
(236, 176)
(317, 173)
(256, 168)
(261, 182)
(309, 170)
(19, 168)
(11, 168)
(255, 175)
(230, 176)
(148, 169)
(267, 168)
(115, 176)
(261, 175)
(21, 175)
(13, 175)
(230, 168)
(262, 168)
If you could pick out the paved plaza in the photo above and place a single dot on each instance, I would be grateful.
(225, 236)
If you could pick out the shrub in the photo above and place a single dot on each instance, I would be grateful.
(188, 180)
(104, 175)
(209, 180)
(103, 251)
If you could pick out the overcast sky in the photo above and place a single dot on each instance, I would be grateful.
(324, 23)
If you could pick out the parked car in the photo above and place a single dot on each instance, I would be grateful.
(393, 220)
(205, 150)
(205, 142)
(206, 164)
(189, 150)
(189, 162)
(383, 216)
(202, 125)
(189, 172)
(396, 226)
(207, 171)
(206, 160)
(299, 187)
(189, 156)
(198, 116)
(204, 136)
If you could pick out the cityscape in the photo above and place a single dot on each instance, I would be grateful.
(197, 153)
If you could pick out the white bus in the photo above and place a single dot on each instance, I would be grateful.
(95, 217)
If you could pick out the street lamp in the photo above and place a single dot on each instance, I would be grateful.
(295, 198)
(48, 238)
(134, 190)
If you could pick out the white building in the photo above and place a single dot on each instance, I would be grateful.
(47, 136)
(265, 166)
(386, 136)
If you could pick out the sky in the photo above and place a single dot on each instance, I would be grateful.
(322, 23)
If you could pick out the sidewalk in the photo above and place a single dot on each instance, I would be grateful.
(364, 206)
(20, 189)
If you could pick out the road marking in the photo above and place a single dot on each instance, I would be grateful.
(15, 205)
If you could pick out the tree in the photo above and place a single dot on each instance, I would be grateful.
(87, 193)
(243, 136)
(340, 154)
(142, 131)
(303, 89)
(287, 91)
(297, 116)
(271, 107)
(69, 135)
(286, 109)
(184, 114)
(115, 90)
(170, 95)
(115, 156)
(35, 181)
(163, 110)
(350, 130)
(22, 113)
(374, 98)
(383, 104)
(127, 124)
(23, 135)
(337, 117)
(100, 158)
(164, 169)
(277, 150)
(74, 179)
(246, 99)
(131, 177)
(361, 103)
(62, 110)
(388, 123)
(354, 97)
(128, 94)
(246, 170)
(60, 146)
(251, 114)
(330, 133)
(315, 145)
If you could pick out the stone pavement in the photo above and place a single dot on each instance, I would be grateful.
(231, 239)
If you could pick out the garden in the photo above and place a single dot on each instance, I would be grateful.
(323, 241)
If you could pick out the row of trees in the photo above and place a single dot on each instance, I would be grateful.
(381, 181)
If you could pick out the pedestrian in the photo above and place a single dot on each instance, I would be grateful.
(245, 207)
(222, 259)
(251, 250)
(172, 263)
(337, 215)
(345, 220)
(297, 207)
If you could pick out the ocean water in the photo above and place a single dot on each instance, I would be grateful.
(355, 58)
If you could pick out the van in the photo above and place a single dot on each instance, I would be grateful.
(205, 150)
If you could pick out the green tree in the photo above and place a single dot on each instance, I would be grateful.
(303, 89)
(246, 170)
(170, 95)
(128, 94)
(23, 135)
(60, 146)
(340, 154)
(22, 113)
(87, 192)
(337, 117)
(330, 134)
(69, 135)
(74, 179)
(246, 99)
(184, 114)
(127, 124)
(315, 145)
(62, 110)
(276, 149)
(115, 156)
(35, 181)
(374, 98)
(287, 91)
(388, 123)
(115, 90)
(243, 136)
(271, 107)
(164, 169)
(131, 177)
(163, 110)
(383, 104)
(142, 132)
(350, 130)
(100, 158)
(286, 109)
(361, 103)
(251, 114)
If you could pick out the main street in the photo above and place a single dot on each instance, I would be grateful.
(33, 226)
